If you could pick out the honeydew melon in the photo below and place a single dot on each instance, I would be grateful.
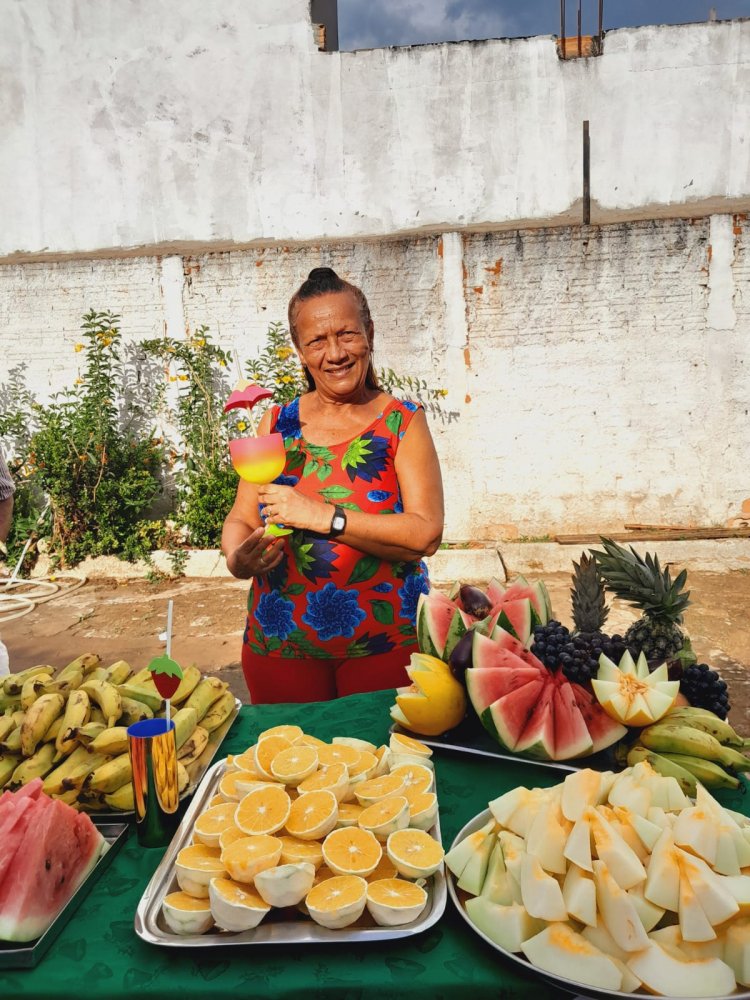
(474, 872)
(580, 790)
(507, 926)
(461, 854)
(632, 694)
(579, 895)
(547, 836)
(618, 911)
(540, 892)
(663, 972)
(561, 951)
(621, 860)
(499, 886)
(737, 950)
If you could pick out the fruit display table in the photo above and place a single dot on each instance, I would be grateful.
(98, 951)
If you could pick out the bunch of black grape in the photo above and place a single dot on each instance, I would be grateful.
(577, 653)
(704, 688)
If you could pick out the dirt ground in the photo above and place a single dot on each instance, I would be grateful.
(123, 620)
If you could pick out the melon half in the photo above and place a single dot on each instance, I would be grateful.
(531, 710)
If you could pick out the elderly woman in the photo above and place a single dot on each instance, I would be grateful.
(332, 606)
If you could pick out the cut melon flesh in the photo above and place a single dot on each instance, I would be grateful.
(662, 972)
(508, 926)
(540, 892)
(562, 952)
(632, 694)
(499, 886)
(579, 895)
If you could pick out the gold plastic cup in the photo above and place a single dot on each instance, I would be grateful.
(153, 757)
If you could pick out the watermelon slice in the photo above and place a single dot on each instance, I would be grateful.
(486, 685)
(502, 651)
(517, 617)
(572, 737)
(47, 861)
(440, 624)
(538, 736)
(603, 730)
(506, 718)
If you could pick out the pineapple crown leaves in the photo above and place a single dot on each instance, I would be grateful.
(588, 603)
(165, 665)
(642, 582)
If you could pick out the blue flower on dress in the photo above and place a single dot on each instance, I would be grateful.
(398, 507)
(284, 480)
(370, 645)
(383, 588)
(410, 405)
(366, 457)
(409, 593)
(313, 556)
(378, 496)
(331, 612)
(287, 422)
(274, 615)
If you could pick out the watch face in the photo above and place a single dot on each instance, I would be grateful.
(338, 523)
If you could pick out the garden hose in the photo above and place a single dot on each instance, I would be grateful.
(36, 591)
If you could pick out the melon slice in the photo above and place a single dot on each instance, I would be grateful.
(47, 868)
(631, 693)
(572, 738)
(501, 649)
(517, 617)
(485, 685)
(440, 624)
(538, 736)
(603, 730)
(506, 718)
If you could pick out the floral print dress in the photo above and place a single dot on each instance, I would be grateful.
(325, 598)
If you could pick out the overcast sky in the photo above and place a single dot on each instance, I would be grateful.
(375, 23)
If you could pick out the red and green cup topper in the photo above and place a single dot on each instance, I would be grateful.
(245, 395)
(166, 674)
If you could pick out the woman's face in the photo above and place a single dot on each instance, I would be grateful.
(333, 343)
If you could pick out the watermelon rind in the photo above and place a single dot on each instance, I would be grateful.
(511, 713)
(489, 725)
(538, 737)
(516, 617)
(572, 738)
(485, 685)
(459, 625)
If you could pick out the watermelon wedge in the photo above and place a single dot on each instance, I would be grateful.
(501, 652)
(48, 856)
(538, 736)
(506, 718)
(486, 685)
(440, 624)
(517, 617)
(603, 729)
(571, 733)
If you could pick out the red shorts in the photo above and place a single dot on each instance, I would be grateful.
(275, 679)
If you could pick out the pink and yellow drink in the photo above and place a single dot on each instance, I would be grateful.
(260, 460)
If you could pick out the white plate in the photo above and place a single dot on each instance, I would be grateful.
(581, 990)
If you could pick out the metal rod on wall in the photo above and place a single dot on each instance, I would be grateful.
(586, 176)
(562, 26)
(601, 21)
(579, 29)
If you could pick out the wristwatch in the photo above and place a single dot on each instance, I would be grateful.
(338, 524)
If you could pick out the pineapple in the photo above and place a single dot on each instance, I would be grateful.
(643, 584)
(587, 598)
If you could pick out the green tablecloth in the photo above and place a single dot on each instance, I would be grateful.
(99, 955)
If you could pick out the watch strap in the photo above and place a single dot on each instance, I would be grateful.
(338, 522)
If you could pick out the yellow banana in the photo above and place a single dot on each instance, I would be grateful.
(39, 717)
(208, 691)
(122, 799)
(107, 698)
(190, 679)
(37, 766)
(8, 763)
(664, 766)
(86, 734)
(8, 702)
(710, 774)
(76, 776)
(141, 692)
(70, 797)
(219, 712)
(77, 711)
(96, 715)
(133, 711)
(118, 672)
(12, 742)
(87, 662)
(709, 722)
(53, 783)
(111, 741)
(13, 684)
(185, 722)
(97, 674)
(142, 677)
(113, 774)
(684, 739)
(194, 747)
(7, 725)
(52, 733)
(183, 778)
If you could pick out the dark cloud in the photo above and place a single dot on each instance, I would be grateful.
(375, 23)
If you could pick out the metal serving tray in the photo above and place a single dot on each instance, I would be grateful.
(196, 771)
(580, 990)
(25, 956)
(469, 737)
(280, 926)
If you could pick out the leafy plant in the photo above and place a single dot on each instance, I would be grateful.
(206, 482)
(100, 477)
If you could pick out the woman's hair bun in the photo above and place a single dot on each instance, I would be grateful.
(322, 274)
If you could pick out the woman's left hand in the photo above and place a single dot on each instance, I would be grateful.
(284, 505)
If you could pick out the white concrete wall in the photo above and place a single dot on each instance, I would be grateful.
(130, 124)
(596, 376)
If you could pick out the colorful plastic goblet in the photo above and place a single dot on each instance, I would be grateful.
(260, 460)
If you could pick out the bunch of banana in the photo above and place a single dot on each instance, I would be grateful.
(693, 745)
(70, 728)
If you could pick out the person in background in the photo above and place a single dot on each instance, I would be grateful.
(7, 489)
(332, 606)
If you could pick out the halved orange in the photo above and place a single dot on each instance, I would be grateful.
(337, 902)
(312, 815)
(335, 778)
(294, 765)
(400, 743)
(310, 741)
(354, 741)
(246, 857)
(265, 751)
(294, 850)
(351, 851)
(393, 901)
(423, 808)
(338, 754)
(264, 810)
(365, 767)
(386, 816)
(236, 906)
(185, 914)
(349, 813)
(291, 733)
(209, 825)
(228, 786)
(385, 869)
(246, 762)
(416, 776)
(215, 800)
(195, 866)
(228, 836)
(375, 789)
(414, 853)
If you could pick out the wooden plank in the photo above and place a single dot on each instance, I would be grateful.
(663, 535)
(659, 527)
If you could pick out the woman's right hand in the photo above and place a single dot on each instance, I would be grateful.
(258, 554)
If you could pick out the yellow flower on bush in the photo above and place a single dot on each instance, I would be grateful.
(241, 425)
(284, 352)
(79, 348)
(172, 378)
(286, 379)
(182, 378)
